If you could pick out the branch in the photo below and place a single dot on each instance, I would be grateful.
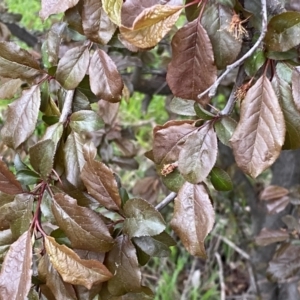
(166, 201)
(67, 108)
(213, 88)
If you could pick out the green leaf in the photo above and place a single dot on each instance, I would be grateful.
(142, 219)
(198, 154)
(54, 133)
(8, 183)
(122, 262)
(203, 113)
(21, 118)
(283, 31)
(220, 180)
(255, 62)
(276, 55)
(15, 276)
(17, 63)
(85, 121)
(225, 128)
(113, 10)
(192, 11)
(173, 181)
(28, 177)
(296, 87)
(72, 67)
(42, 156)
(182, 107)
(80, 101)
(193, 217)
(85, 229)
(60, 236)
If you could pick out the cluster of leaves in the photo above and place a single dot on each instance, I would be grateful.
(89, 238)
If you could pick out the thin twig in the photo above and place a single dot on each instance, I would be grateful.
(213, 88)
(166, 201)
(67, 108)
(221, 276)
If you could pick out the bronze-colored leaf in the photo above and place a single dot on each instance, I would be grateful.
(272, 192)
(277, 205)
(101, 184)
(113, 10)
(96, 24)
(17, 63)
(50, 7)
(72, 268)
(21, 118)
(15, 276)
(9, 88)
(259, 136)
(122, 262)
(168, 140)
(198, 154)
(85, 229)
(108, 111)
(192, 54)
(193, 217)
(296, 87)
(267, 237)
(72, 67)
(105, 80)
(8, 182)
(151, 25)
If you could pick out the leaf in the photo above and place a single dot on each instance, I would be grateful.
(220, 180)
(85, 229)
(283, 31)
(21, 118)
(226, 47)
(96, 24)
(259, 135)
(277, 205)
(267, 237)
(291, 114)
(192, 53)
(54, 133)
(202, 113)
(142, 219)
(150, 25)
(80, 101)
(17, 63)
(50, 7)
(72, 268)
(173, 181)
(198, 154)
(113, 10)
(255, 62)
(285, 263)
(101, 184)
(122, 262)
(272, 192)
(193, 217)
(225, 128)
(15, 276)
(105, 80)
(72, 67)
(182, 107)
(108, 111)
(74, 159)
(168, 140)
(85, 121)
(42, 157)
(8, 182)
(296, 87)
(155, 246)
(192, 11)
(9, 88)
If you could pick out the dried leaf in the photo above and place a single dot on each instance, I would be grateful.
(8, 182)
(9, 88)
(96, 24)
(42, 157)
(267, 237)
(101, 184)
(296, 87)
(72, 268)
(17, 63)
(151, 25)
(259, 136)
(142, 219)
(105, 80)
(15, 276)
(198, 154)
(193, 217)
(85, 229)
(21, 118)
(113, 10)
(72, 67)
(122, 262)
(272, 192)
(192, 53)
(50, 7)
